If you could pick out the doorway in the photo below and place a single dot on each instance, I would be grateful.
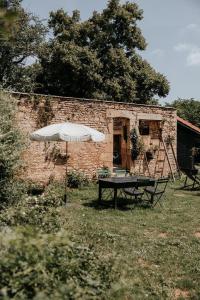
(117, 158)
(121, 143)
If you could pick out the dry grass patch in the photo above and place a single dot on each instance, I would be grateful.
(163, 235)
(197, 234)
(178, 293)
(143, 263)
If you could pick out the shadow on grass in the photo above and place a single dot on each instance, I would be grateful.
(190, 189)
(122, 204)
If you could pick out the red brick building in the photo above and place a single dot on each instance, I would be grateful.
(115, 120)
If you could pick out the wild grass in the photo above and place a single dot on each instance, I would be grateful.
(139, 253)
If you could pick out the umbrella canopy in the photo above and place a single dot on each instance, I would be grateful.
(68, 132)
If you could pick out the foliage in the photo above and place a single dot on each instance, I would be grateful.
(188, 109)
(37, 209)
(150, 154)
(137, 145)
(104, 172)
(98, 58)
(76, 179)
(11, 145)
(8, 17)
(81, 252)
(45, 113)
(35, 266)
(21, 45)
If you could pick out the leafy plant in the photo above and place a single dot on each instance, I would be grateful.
(44, 113)
(54, 154)
(11, 145)
(149, 154)
(104, 172)
(76, 179)
(35, 266)
(169, 139)
(188, 109)
(98, 57)
(8, 18)
(23, 41)
(36, 210)
(137, 144)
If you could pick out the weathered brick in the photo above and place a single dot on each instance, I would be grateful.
(88, 156)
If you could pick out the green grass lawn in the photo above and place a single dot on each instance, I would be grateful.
(152, 253)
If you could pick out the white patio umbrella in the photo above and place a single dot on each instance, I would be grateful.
(68, 132)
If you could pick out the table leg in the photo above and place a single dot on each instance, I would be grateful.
(100, 193)
(115, 197)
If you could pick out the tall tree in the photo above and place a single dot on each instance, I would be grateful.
(99, 57)
(22, 43)
(188, 109)
(8, 17)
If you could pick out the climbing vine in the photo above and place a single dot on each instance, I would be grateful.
(136, 143)
(44, 112)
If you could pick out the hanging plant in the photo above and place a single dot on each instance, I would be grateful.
(169, 139)
(149, 154)
(137, 144)
(54, 154)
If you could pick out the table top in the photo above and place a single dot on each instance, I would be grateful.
(126, 181)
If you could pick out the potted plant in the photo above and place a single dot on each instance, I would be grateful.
(149, 154)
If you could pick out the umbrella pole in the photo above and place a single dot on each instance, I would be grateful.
(65, 195)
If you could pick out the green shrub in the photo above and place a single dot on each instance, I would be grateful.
(50, 267)
(42, 218)
(34, 188)
(53, 195)
(39, 211)
(11, 145)
(104, 172)
(76, 179)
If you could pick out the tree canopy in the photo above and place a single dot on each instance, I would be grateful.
(188, 109)
(8, 16)
(99, 57)
(23, 42)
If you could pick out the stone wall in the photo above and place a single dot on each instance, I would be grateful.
(42, 159)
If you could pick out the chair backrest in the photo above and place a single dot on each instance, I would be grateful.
(161, 184)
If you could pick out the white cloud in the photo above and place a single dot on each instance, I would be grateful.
(193, 58)
(158, 52)
(193, 53)
(184, 47)
(192, 27)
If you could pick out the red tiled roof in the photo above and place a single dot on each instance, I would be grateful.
(188, 124)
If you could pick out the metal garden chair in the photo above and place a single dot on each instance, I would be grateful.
(194, 177)
(135, 194)
(156, 193)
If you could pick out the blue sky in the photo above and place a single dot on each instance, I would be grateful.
(171, 29)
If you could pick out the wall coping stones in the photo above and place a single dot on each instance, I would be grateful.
(62, 98)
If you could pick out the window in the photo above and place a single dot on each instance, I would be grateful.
(144, 127)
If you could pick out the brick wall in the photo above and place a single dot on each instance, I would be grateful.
(36, 111)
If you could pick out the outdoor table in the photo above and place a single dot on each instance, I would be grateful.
(116, 183)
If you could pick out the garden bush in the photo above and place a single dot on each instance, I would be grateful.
(39, 211)
(11, 145)
(39, 266)
(76, 179)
